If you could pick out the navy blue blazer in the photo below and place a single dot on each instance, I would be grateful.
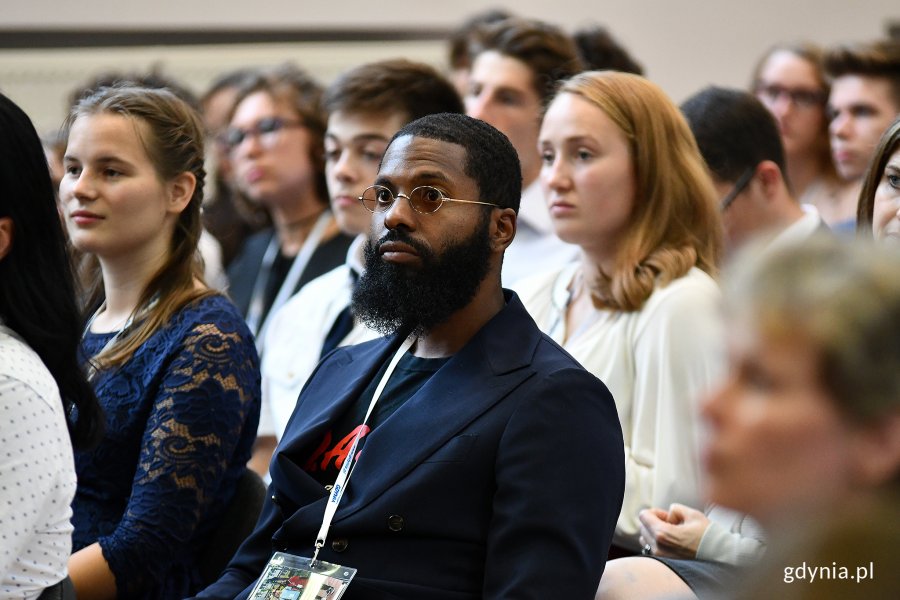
(501, 478)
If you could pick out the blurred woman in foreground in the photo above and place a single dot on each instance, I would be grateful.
(805, 434)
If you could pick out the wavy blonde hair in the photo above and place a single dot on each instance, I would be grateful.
(674, 224)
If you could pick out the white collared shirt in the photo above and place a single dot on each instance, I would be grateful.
(294, 338)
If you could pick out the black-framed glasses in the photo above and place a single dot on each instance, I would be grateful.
(265, 130)
(739, 186)
(423, 199)
(802, 98)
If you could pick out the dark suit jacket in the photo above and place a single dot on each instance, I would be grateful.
(501, 478)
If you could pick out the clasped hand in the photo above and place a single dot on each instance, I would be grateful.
(675, 533)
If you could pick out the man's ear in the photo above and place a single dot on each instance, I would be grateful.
(503, 228)
(181, 190)
(770, 178)
(6, 236)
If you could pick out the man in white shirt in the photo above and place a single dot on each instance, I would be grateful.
(739, 140)
(367, 106)
(516, 66)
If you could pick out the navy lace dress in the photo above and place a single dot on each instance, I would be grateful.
(181, 417)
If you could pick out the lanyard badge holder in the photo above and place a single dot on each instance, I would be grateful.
(290, 577)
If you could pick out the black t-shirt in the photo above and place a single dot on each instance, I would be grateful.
(410, 374)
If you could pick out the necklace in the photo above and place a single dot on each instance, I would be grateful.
(118, 326)
(91, 367)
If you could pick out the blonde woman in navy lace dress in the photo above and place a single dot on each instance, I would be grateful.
(171, 361)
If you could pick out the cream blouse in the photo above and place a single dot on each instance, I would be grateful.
(658, 363)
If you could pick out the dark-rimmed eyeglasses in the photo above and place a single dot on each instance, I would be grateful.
(739, 186)
(423, 199)
(802, 98)
(265, 130)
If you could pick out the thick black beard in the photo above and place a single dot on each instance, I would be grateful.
(391, 298)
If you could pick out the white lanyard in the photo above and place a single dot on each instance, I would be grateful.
(340, 484)
(257, 302)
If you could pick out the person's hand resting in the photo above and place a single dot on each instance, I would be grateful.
(673, 534)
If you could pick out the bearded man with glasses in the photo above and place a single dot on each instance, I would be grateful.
(491, 463)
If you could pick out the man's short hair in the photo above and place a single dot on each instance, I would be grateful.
(391, 86)
(491, 159)
(458, 51)
(874, 59)
(734, 131)
(550, 54)
(600, 51)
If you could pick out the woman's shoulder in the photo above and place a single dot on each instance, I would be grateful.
(211, 313)
(695, 292)
(213, 307)
(20, 364)
(541, 286)
(696, 283)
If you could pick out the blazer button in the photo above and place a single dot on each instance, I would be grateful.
(340, 544)
(275, 500)
(395, 523)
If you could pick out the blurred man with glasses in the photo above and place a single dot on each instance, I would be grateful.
(491, 463)
(740, 142)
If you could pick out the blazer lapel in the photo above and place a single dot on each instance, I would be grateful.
(333, 389)
(487, 369)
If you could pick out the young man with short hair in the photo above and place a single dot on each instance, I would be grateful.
(740, 142)
(516, 66)
(864, 101)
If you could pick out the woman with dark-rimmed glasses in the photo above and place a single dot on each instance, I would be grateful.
(790, 81)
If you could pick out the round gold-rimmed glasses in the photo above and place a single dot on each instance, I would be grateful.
(423, 199)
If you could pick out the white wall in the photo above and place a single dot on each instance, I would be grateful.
(683, 45)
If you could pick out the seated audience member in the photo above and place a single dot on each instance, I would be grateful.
(878, 214)
(805, 433)
(600, 51)
(864, 100)
(695, 552)
(275, 145)
(41, 383)
(366, 106)
(171, 361)
(54, 148)
(738, 139)
(456, 492)
(687, 554)
(226, 213)
(516, 66)
(625, 183)
(790, 81)
(459, 59)
(209, 247)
